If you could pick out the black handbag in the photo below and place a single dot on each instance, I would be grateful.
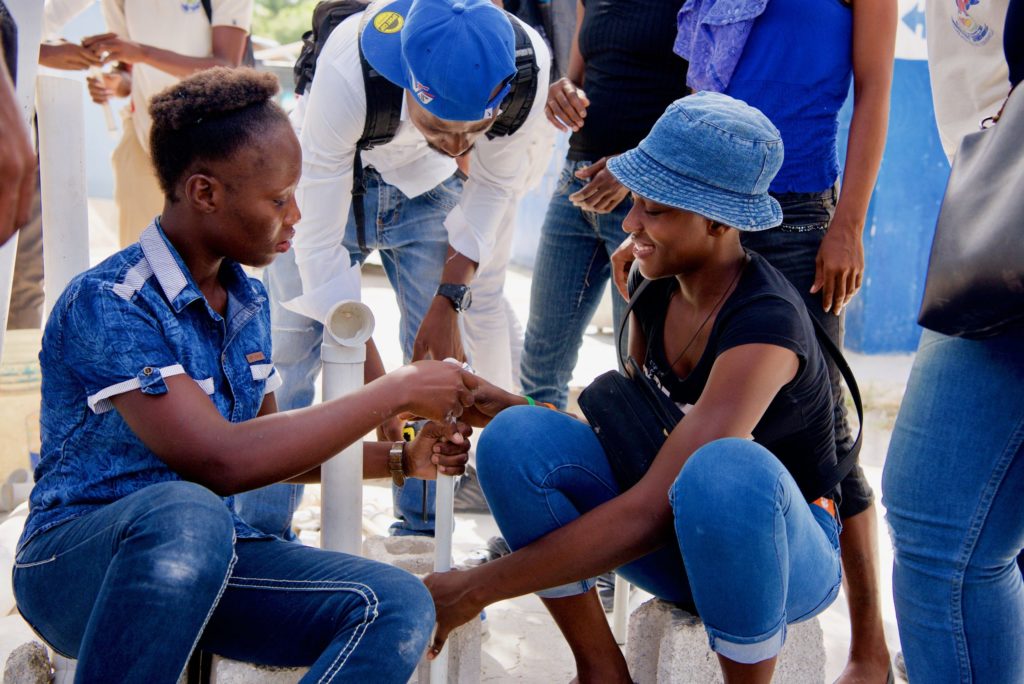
(632, 417)
(975, 282)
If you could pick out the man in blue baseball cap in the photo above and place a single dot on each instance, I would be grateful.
(398, 93)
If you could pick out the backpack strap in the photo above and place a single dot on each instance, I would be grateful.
(515, 108)
(383, 116)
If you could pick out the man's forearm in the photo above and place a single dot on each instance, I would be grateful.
(458, 268)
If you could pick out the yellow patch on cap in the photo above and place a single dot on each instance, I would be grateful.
(388, 22)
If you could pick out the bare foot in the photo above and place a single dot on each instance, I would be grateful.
(865, 671)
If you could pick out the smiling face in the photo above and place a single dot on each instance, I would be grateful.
(668, 241)
(257, 210)
(452, 138)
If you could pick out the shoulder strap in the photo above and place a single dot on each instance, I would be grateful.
(515, 108)
(849, 459)
(383, 116)
(625, 363)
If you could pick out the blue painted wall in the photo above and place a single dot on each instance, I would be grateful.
(901, 218)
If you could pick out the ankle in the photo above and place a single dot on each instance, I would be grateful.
(603, 669)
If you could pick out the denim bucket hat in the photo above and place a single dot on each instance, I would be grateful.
(712, 155)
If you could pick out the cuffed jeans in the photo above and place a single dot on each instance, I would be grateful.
(758, 557)
(132, 588)
(952, 489)
(572, 268)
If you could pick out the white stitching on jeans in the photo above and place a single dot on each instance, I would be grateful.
(372, 603)
(213, 606)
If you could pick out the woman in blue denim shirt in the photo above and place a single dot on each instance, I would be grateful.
(735, 517)
(158, 401)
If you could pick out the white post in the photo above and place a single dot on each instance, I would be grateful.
(61, 119)
(620, 609)
(28, 15)
(444, 518)
(347, 327)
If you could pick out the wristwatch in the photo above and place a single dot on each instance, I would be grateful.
(396, 463)
(459, 295)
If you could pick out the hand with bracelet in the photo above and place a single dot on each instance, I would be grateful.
(430, 453)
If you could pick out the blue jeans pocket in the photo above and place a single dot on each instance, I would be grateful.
(806, 211)
(446, 194)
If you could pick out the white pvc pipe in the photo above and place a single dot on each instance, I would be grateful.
(620, 609)
(444, 518)
(61, 119)
(28, 15)
(347, 327)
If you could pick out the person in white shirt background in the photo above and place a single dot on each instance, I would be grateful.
(442, 241)
(155, 44)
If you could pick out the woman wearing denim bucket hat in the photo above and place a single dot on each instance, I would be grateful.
(740, 487)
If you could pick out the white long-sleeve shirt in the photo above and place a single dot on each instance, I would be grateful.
(330, 120)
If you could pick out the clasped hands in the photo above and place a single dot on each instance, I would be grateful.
(455, 401)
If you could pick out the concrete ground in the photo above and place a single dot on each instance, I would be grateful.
(523, 644)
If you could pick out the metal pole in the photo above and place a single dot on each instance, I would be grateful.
(61, 119)
(347, 327)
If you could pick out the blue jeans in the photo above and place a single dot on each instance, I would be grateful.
(410, 235)
(757, 556)
(571, 270)
(131, 589)
(952, 488)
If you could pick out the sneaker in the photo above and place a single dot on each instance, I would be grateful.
(469, 498)
(606, 591)
(900, 666)
(495, 549)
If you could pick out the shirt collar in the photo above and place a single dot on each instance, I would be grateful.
(175, 279)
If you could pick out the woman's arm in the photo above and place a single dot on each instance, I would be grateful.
(641, 516)
(567, 103)
(840, 263)
(185, 430)
(228, 49)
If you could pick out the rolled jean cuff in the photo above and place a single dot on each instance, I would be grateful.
(747, 650)
(566, 590)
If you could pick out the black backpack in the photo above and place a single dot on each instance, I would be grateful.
(384, 98)
(248, 58)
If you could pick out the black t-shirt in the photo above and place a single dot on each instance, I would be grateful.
(630, 73)
(763, 309)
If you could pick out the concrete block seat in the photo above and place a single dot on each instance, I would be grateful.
(668, 644)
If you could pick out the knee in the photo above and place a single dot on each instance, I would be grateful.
(186, 534)
(408, 607)
(499, 451)
(720, 473)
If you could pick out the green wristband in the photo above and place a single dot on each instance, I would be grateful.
(529, 400)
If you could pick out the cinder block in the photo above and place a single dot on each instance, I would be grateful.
(416, 555)
(28, 664)
(225, 671)
(668, 644)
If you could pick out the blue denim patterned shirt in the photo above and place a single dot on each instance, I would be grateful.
(128, 324)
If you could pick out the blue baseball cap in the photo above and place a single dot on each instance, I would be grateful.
(712, 155)
(451, 54)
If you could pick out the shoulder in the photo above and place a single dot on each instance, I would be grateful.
(765, 309)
